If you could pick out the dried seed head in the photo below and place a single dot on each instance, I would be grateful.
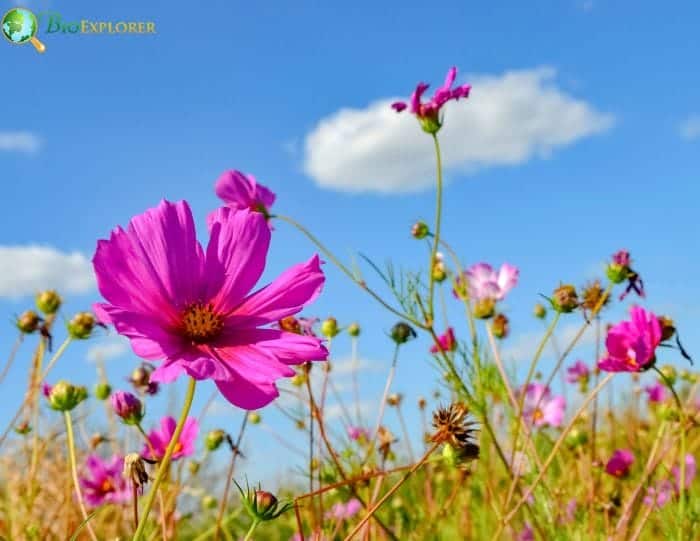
(452, 426)
(135, 470)
(593, 295)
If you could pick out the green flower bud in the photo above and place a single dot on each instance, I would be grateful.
(28, 322)
(262, 505)
(484, 308)
(48, 301)
(214, 439)
(402, 333)
(298, 379)
(354, 330)
(80, 327)
(254, 418)
(669, 372)
(193, 467)
(430, 124)
(209, 502)
(65, 396)
(102, 390)
(329, 327)
(576, 438)
(565, 299)
(420, 230)
(617, 273)
(540, 311)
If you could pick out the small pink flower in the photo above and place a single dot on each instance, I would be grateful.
(571, 507)
(577, 372)
(660, 494)
(344, 511)
(656, 393)
(620, 463)
(447, 342)
(357, 433)
(622, 258)
(103, 481)
(483, 282)
(46, 389)
(159, 439)
(541, 408)
(526, 534)
(632, 344)
(690, 471)
(241, 191)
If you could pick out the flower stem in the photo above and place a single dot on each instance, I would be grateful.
(229, 477)
(74, 472)
(165, 463)
(436, 231)
(253, 526)
(12, 356)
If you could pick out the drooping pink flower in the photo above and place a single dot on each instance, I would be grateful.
(483, 282)
(431, 108)
(158, 440)
(660, 494)
(241, 191)
(656, 393)
(357, 433)
(620, 463)
(344, 511)
(577, 372)
(541, 408)
(192, 308)
(446, 341)
(103, 482)
(690, 472)
(632, 344)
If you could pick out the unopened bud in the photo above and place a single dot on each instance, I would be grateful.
(420, 230)
(28, 322)
(422, 403)
(214, 439)
(439, 271)
(576, 438)
(128, 407)
(394, 399)
(669, 373)
(254, 418)
(264, 500)
(540, 311)
(354, 330)
(65, 396)
(193, 467)
(209, 502)
(80, 327)
(500, 326)
(102, 390)
(402, 333)
(48, 301)
(23, 428)
(329, 327)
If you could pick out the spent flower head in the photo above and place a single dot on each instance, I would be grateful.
(28, 322)
(453, 426)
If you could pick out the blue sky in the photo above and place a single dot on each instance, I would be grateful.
(581, 137)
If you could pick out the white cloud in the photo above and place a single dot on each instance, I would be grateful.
(18, 141)
(108, 348)
(690, 128)
(522, 347)
(507, 120)
(335, 411)
(25, 270)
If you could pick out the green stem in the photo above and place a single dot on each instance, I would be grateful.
(74, 472)
(681, 416)
(251, 530)
(436, 231)
(165, 463)
(59, 352)
(346, 270)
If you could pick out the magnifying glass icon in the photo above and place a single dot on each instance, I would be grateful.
(19, 26)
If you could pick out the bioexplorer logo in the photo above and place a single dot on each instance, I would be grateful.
(19, 25)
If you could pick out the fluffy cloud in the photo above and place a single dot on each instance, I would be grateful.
(24, 270)
(690, 128)
(23, 142)
(108, 348)
(522, 347)
(508, 119)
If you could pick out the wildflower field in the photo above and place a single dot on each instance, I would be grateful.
(587, 446)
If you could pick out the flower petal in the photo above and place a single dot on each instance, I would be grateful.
(248, 395)
(235, 189)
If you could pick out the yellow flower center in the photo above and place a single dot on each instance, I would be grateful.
(201, 323)
(177, 448)
(538, 415)
(107, 486)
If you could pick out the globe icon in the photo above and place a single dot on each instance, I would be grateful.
(19, 26)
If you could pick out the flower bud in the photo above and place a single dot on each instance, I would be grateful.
(576, 438)
(193, 467)
(500, 326)
(209, 502)
(141, 379)
(254, 418)
(28, 322)
(262, 505)
(420, 230)
(354, 330)
(80, 327)
(65, 396)
(484, 308)
(565, 299)
(214, 439)
(102, 390)
(264, 500)
(402, 333)
(668, 328)
(394, 399)
(669, 372)
(618, 269)
(422, 403)
(329, 327)
(128, 407)
(23, 428)
(540, 312)
(48, 301)
(439, 271)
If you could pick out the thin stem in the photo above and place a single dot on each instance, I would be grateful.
(253, 526)
(74, 473)
(345, 270)
(229, 477)
(165, 463)
(59, 352)
(11, 358)
(382, 404)
(436, 231)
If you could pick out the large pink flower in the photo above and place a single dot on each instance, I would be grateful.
(483, 282)
(103, 482)
(192, 308)
(241, 191)
(632, 344)
(158, 440)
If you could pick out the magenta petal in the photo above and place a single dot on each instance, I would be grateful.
(287, 295)
(247, 395)
(235, 255)
(286, 347)
(167, 372)
(398, 106)
(236, 190)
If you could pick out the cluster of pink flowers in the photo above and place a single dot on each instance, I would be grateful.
(541, 408)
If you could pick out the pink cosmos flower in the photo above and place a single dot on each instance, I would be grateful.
(191, 308)
(690, 472)
(241, 191)
(577, 372)
(631, 344)
(526, 534)
(622, 258)
(620, 463)
(447, 342)
(344, 511)
(103, 481)
(483, 282)
(656, 393)
(356, 433)
(159, 439)
(431, 109)
(541, 408)
(660, 494)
